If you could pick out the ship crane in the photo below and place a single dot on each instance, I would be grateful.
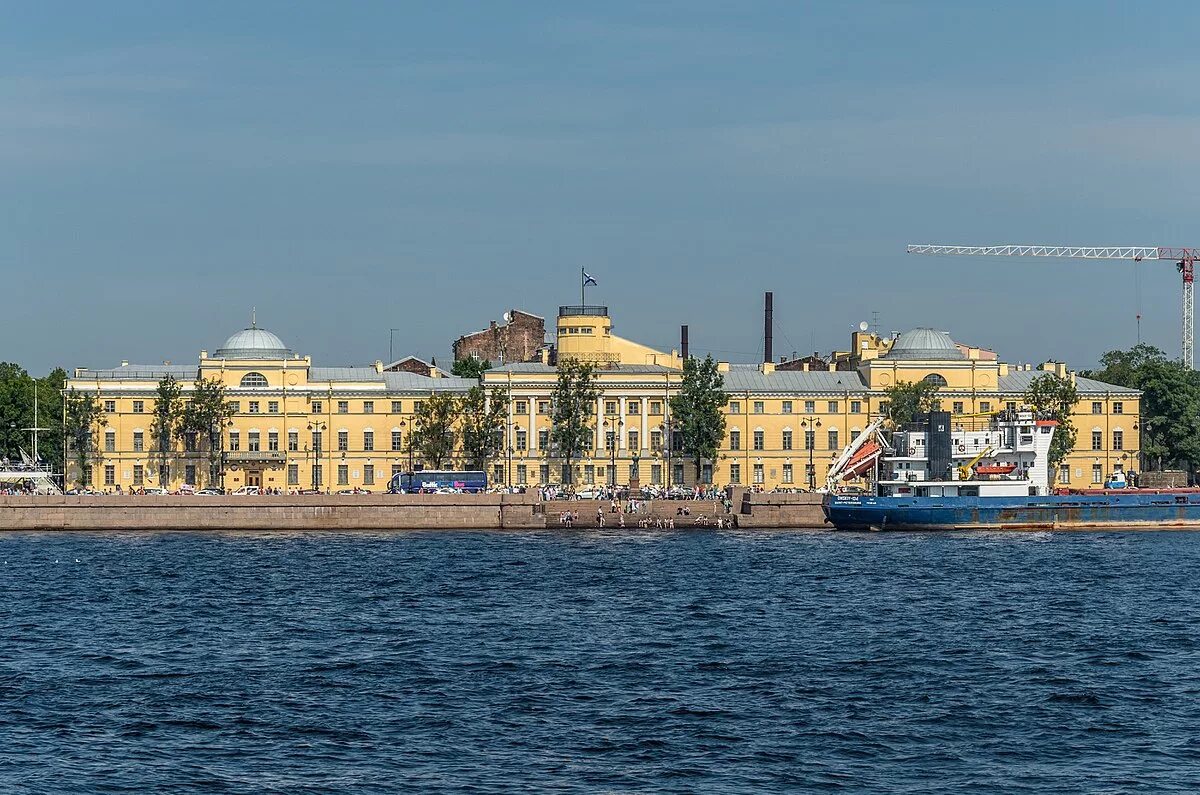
(1184, 258)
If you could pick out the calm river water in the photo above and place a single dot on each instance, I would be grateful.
(591, 662)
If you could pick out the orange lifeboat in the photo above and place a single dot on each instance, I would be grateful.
(862, 460)
(994, 469)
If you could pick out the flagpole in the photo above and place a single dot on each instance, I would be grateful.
(582, 287)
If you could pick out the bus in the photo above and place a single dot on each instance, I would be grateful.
(434, 480)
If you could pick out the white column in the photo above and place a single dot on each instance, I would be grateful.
(621, 429)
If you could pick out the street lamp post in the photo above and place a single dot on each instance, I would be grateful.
(318, 428)
(667, 429)
(810, 425)
(612, 436)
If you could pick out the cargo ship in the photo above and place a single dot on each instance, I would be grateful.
(939, 474)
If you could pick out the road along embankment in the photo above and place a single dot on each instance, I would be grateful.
(280, 512)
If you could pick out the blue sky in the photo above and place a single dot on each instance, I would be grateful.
(348, 168)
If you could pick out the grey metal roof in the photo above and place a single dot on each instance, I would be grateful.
(402, 381)
(141, 372)
(344, 374)
(1019, 381)
(538, 367)
(924, 344)
(752, 380)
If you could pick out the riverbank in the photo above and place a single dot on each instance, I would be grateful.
(383, 512)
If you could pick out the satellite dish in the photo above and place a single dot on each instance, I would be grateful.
(863, 326)
(508, 317)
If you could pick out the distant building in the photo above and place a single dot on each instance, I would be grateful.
(520, 339)
(411, 364)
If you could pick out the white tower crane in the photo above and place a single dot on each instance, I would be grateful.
(1184, 258)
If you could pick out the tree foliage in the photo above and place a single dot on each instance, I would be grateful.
(82, 414)
(203, 418)
(168, 411)
(470, 367)
(17, 388)
(696, 410)
(483, 418)
(1055, 397)
(574, 399)
(434, 434)
(906, 399)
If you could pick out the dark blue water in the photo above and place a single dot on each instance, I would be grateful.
(691, 662)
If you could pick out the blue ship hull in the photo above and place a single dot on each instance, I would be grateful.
(1133, 509)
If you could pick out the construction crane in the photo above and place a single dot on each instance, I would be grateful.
(1184, 258)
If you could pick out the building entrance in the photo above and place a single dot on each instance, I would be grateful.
(254, 477)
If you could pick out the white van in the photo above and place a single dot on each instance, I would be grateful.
(252, 491)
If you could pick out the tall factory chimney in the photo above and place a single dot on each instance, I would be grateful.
(768, 324)
(683, 342)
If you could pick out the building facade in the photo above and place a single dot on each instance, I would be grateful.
(298, 426)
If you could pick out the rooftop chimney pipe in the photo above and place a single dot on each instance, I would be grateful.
(768, 323)
(683, 342)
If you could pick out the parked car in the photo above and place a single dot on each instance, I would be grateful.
(589, 493)
(209, 492)
(252, 491)
(155, 490)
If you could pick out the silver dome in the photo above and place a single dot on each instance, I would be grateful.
(924, 344)
(253, 343)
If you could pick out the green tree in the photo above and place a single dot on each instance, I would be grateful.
(202, 423)
(483, 420)
(16, 408)
(906, 399)
(434, 434)
(470, 367)
(81, 416)
(696, 410)
(1127, 368)
(168, 411)
(1055, 397)
(573, 399)
(50, 412)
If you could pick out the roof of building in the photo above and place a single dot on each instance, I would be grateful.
(538, 367)
(402, 381)
(253, 343)
(1019, 380)
(751, 379)
(142, 372)
(924, 344)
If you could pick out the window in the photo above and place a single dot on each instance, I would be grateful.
(634, 440)
(417, 404)
(87, 475)
(610, 407)
(833, 438)
(543, 407)
(787, 473)
(254, 380)
(758, 473)
(343, 475)
(1064, 474)
(810, 406)
(1118, 407)
(759, 440)
(735, 439)
(316, 441)
(110, 406)
(368, 474)
(343, 441)
(139, 406)
(317, 406)
(522, 440)
(883, 407)
(735, 407)
(369, 441)
(252, 441)
(396, 470)
(544, 473)
(235, 441)
(735, 473)
(759, 407)
(678, 470)
(633, 407)
(343, 407)
(1118, 440)
(656, 474)
(608, 440)
(787, 407)
(293, 441)
(958, 407)
(293, 474)
(139, 474)
(317, 475)
(110, 441)
(522, 473)
(1097, 440)
(985, 406)
(856, 407)
(589, 473)
(656, 407)
(1097, 407)
(273, 441)
(139, 441)
(935, 379)
(1097, 473)
(521, 407)
(397, 440)
(832, 407)
(273, 407)
(253, 407)
(110, 475)
(1010, 405)
(655, 440)
(368, 407)
(810, 440)
(543, 441)
(787, 440)
(397, 407)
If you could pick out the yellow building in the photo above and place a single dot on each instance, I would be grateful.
(299, 426)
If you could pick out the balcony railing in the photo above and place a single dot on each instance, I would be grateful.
(583, 311)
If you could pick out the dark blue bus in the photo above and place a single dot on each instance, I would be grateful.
(433, 480)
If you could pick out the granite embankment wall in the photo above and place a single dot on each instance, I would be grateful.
(304, 512)
(780, 510)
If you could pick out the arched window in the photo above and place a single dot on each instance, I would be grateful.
(254, 379)
(935, 379)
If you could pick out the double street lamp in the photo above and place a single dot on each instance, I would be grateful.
(810, 425)
(612, 430)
